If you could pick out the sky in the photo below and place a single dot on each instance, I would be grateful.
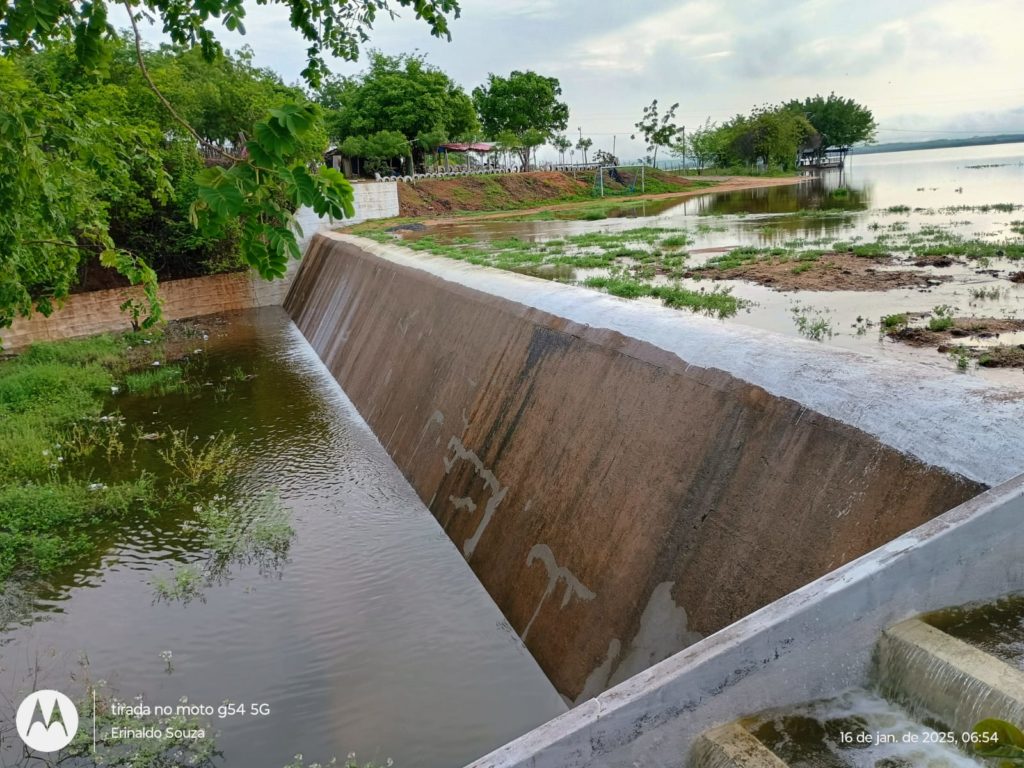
(926, 69)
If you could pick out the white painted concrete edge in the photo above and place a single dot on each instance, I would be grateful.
(958, 422)
(814, 643)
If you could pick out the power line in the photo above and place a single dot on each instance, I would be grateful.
(975, 132)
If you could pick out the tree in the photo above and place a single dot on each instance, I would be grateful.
(769, 134)
(378, 148)
(332, 27)
(583, 145)
(521, 103)
(659, 130)
(64, 157)
(562, 144)
(531, 139)
(399, 93)
(605, 158)
(704, 144)
(840, 122)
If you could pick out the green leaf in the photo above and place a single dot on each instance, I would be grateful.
(296, 119)
(1009, 740)
(217, 189)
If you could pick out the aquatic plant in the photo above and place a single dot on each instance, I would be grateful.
(54, 434)
(350, 762)
(185, 584)
(981, 294)
(52, 524)
(961, 357)
(159, 380)
(998, 740)
(942, 318)
(185, 739)
(198, 464)
(895, 322)
(621, 287)
(242, 533)
(811, 323)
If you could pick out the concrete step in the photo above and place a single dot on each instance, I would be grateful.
(732, 746)
(935, 674)
(923, 675)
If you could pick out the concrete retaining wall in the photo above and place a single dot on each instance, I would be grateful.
(812, 644)
(98, 311)
(618, 499)
(375, 200)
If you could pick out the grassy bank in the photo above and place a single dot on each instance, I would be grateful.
(71, 477)
(51, 402)
(510, 192)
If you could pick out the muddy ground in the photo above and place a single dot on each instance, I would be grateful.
(830, 272)
(957, 339)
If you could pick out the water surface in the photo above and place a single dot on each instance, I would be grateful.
(375, 637)
(896, 195)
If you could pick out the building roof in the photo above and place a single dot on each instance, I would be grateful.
(478, 146)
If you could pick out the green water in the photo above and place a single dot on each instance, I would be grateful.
(370, 634)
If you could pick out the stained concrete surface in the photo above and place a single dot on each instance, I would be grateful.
(600, 487)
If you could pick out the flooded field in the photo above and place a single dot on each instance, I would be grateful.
(915, 255)
(348, 623)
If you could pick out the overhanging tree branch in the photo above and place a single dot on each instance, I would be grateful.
(163, 99)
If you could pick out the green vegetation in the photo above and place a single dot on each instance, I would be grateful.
(159, 380)
(772, 135)
(111, 178)
(661, 130)
(838, 122)
(629, 261)
(49, 524)
(99, 137)
(942, 318)
(254, 533)
(812, 323)
(400, 106)
(70, 475)
(51, 401)
(738, 257)
(521, 111)
(961, 357)
(999, 741)
(895, 322)
(718, 302)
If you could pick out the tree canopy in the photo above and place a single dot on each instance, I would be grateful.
(524, 105)
(400, 94)
(660, 130)
(332, 27)
(81, 155)
(840, 122)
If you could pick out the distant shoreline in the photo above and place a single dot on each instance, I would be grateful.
(907, 146)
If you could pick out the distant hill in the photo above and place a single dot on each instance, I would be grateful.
(904, 146)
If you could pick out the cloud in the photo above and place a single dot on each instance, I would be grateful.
(914, 62)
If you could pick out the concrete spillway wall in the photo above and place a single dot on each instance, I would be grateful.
(622, 496)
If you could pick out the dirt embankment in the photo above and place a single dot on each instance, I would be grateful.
(829, 272)
(430, 197)
(524, 193)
